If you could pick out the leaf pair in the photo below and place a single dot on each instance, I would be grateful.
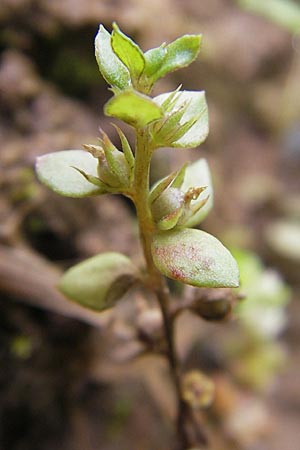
(189, 256)
(179, 123)
(123, 64)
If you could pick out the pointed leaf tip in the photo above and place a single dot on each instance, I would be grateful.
(111, 67)
(179, 53)
(128, 52)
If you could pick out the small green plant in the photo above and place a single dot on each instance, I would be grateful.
(167, 212)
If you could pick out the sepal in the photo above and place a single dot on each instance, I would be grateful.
(115, 168)
(185, 120)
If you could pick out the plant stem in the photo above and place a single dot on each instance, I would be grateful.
(155, 280)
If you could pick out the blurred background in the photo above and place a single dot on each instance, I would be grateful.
(71, 379)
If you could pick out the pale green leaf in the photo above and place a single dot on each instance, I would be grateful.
(111, 67)
(133, 108)
(129, 53)
(194, 257)
(195, 111)
(198, 174)
(154, 60)
(180, 53)
(57, 171)
(126, 150)
(98, 282)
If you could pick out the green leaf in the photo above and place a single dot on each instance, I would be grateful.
(111, 67)
(179, 54)
(127, 151)
(195, 112)
(98, 282)
(129, 53)
(133, 108)
(194, 257)
(197, 174)
(154, 59)
(57, 171)
(170, 101)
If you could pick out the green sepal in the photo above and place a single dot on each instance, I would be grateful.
(94, 180)
(175, 179)
(134, 108)
(180, 53)
(170, 100)
(166, 132)
(111, 67)
(127, 151)
(116, 161)
(185, 121)
(129, 53)
(194, 257)
(57, 171)
(99, 282)
(180, 175)
(182, 129)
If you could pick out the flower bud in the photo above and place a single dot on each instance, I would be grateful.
(118, 177)
(167, 208)
(113, 167)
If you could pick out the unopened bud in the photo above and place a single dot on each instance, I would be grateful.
(167, 208)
